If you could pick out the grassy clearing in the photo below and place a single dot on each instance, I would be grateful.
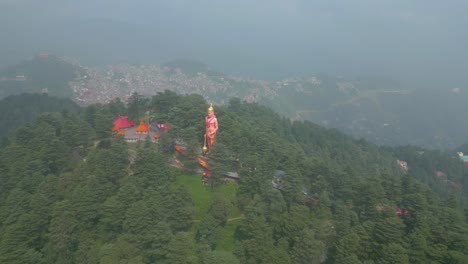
(202, 197)
(225, 239)
(201, 194)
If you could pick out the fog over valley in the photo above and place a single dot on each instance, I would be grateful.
(417, 43)
(233, 132)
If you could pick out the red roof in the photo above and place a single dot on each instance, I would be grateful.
(122, 122)
(401, 212)
(142, 128)
(179, 148)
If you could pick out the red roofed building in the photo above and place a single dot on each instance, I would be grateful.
(403, 164)
(402, 212)
(143, 128)
(122, 122)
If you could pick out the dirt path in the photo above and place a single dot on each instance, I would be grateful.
(229, 220)
(236, 218)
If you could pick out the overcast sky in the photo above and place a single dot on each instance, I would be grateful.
(415, 42)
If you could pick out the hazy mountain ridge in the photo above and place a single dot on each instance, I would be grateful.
(42, 73)
(380, 110)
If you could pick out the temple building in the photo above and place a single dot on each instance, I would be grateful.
(122, 122)
(126, 128)
(142, 128)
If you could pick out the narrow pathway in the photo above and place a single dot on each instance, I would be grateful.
(236, 218)
(229, 220)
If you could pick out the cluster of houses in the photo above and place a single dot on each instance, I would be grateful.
(463, 157)
(404, 165)
(440, 174)
(443, 176)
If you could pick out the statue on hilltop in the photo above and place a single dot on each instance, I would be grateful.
(211, 126)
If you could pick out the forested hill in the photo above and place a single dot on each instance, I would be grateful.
(16, 110)
(71, 192)
(380, 110)
(42, 73)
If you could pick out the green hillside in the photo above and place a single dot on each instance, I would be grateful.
(41, 73)
(378, 110)
(72, 192)
(16, 110)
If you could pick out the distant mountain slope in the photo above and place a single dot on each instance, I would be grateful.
(462, 148)
(381, 112)
(16, 110)
(43, 73)
(377, 109)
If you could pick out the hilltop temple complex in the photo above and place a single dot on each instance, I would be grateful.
(134, 133)
(123, 126)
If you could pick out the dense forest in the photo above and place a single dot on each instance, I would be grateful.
(16, 110)
(73, 192)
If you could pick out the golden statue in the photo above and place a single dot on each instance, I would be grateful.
(211, 126)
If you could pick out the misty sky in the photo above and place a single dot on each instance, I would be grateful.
(416, 42)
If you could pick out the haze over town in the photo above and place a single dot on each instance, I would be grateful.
(215, 131)
(420, 43)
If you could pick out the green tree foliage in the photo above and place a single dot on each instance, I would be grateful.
(136, 106)
(17, 110)
(163, 102)
(212, 224)
(117, 107)
(215, 257)
(180, 249)
(151, 168)
(71, 192)
(122, 252)
(307, 249)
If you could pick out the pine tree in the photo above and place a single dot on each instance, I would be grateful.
(307, 249)
(216, 257)
(180, 249)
